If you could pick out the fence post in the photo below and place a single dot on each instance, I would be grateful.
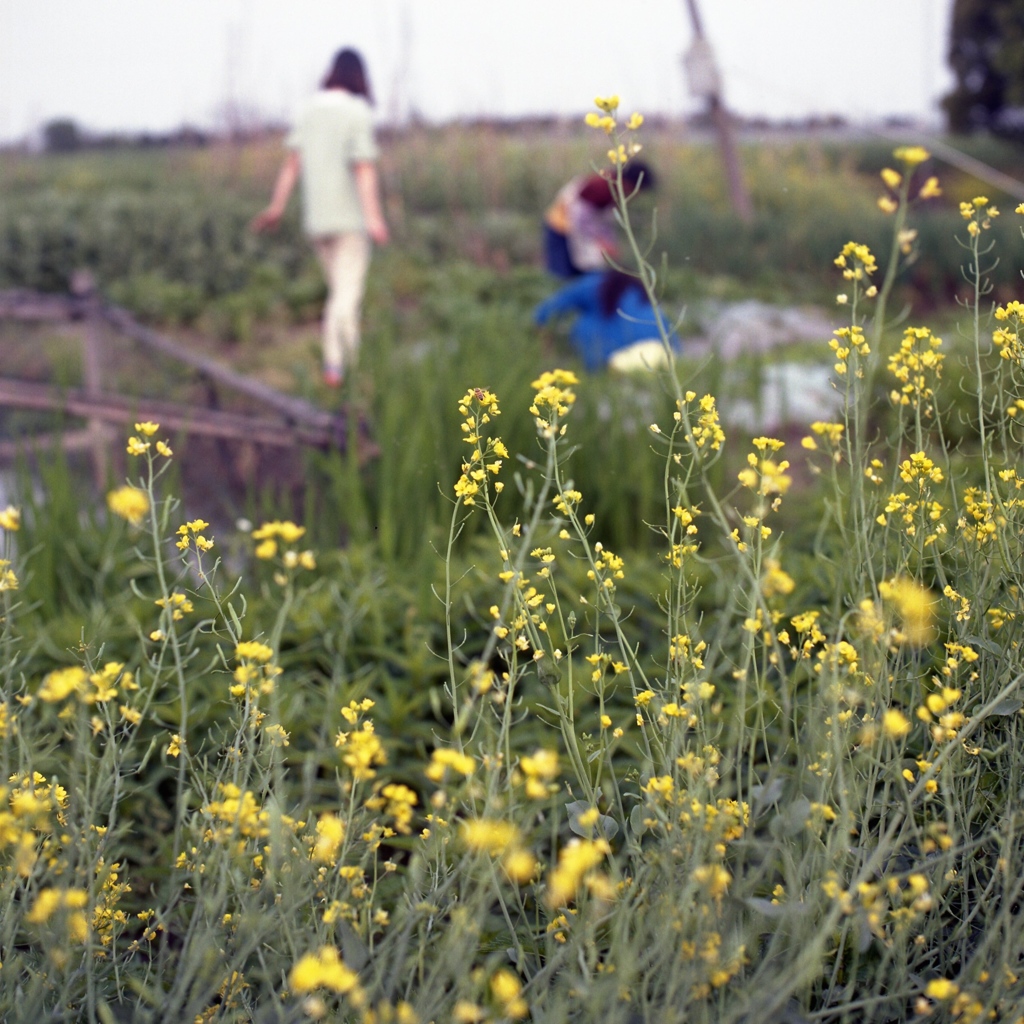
(83, 288)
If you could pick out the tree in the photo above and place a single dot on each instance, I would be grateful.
(986, 53)
(62, 136)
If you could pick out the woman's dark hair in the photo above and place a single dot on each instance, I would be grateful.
(637, 175)
(614, 285)
(349, 73)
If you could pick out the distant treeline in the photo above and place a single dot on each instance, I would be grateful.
(65, 135)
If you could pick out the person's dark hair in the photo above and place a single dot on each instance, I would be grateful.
(614, 285)
(348, 72)
(638, 175)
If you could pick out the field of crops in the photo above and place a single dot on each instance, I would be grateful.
(581, 701)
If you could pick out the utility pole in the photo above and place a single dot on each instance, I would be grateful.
(706, 83)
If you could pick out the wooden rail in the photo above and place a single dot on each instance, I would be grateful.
(292, 422)
(107, 408)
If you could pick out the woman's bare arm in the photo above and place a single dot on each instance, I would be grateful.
(286, 179)
(368, 188)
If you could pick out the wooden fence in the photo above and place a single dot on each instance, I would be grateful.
(284, 421)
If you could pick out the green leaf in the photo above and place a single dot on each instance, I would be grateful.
(605, 827)
(765, 907)
(1006, 706)
(636, 821)
(985, 644)
(793, 820)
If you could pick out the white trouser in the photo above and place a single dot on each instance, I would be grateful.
(344, 259)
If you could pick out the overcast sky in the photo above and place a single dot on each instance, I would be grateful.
(157, 64)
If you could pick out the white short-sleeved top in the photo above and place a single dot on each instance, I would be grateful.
(333, 132)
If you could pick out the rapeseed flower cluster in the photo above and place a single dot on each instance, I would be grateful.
(578, 863)
(276, 541)
(553, 401)
(362, 749)
(916, 607)
(763, 475)
(917, 510)
(501, 840)
(917, 365)
(849, 341)
(325, 969)
(90, 688)
(537, 771)
(683, 525)
(137, 446)
(10, 522)
(10, 519)
(1007, 338)
(236, 814)
(605, 121)
(8, 577)
(479, 407)
(32, 827)
(898, 184)
(831, 435)
(857, 264)
(254, 676)
(177, 603)
(707, 435)
(65, 905)
(190, 535)
(981, 519)
(130, 503)
(978, 214)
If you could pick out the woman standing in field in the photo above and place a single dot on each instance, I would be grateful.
(332, 148)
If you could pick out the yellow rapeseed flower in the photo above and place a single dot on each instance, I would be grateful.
(911, 155)
(465, 1012)
(363, 750)
(10, 518)
(330, 833)
(253, 650)
(941, 989)
(895, 724)
(130, 503)
(323, 969)
(8, 577)
(507, 991)
(891, 178)
(539, 768)
(520, 865)
(442, 759)
(61, 683)
(576, 861)
(489, 835)
(70, 902)
(915, 605)
(714, 879)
